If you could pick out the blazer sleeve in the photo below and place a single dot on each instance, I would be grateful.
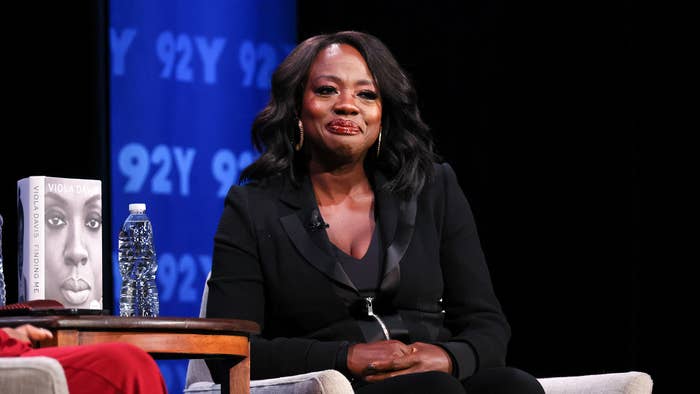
(472, 312)
(237, 290)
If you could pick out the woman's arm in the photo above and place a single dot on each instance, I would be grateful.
(15, 341)
(237, 290)
(472, 311)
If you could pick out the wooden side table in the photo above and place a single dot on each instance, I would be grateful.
(162, 337)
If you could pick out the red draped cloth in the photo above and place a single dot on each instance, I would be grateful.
(96, 368)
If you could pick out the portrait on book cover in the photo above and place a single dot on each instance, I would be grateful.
(73, 231)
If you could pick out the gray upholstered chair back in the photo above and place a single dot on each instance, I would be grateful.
(197, 370)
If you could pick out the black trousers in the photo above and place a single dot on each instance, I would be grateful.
(487, 381)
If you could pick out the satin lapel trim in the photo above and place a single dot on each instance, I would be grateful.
(301, 239)
(397, 249)
(397, 225)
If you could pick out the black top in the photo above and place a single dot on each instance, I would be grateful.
(365, 273)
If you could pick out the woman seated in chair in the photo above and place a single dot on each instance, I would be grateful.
(350, 244)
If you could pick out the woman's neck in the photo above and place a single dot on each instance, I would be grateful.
(332, 187)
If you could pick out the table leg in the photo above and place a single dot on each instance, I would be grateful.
(239, 377)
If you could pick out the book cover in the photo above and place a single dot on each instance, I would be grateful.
(60, 240)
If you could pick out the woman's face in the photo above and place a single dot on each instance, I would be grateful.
(341, 109)
(74, 245)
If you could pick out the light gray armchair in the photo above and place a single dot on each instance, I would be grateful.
(199, 380)
(32, 375)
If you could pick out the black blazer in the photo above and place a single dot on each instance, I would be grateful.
(271, 265)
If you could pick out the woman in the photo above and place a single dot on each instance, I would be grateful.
(73, 214)
(349, 245)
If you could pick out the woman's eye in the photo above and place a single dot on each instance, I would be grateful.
(93, 224)
(368, 95)
(55, 221)
(325, 90)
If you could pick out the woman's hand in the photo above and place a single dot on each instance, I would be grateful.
(361, 355)
(27, 333)
(421, 357)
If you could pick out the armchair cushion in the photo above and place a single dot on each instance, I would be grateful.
(32, 375)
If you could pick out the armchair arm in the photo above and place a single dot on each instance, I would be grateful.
(321, 382)
(32, 375)
(329, 381)
(624, 383)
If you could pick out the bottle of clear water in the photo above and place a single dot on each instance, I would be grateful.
(137, 265)
(3, 300)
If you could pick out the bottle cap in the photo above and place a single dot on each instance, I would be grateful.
(137, 207)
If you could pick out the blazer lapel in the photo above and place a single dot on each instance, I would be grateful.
(397, 220)
(310, 244)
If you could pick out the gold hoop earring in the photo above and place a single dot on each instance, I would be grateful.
(379, 142)
(298, 146)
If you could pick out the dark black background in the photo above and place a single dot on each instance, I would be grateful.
(538, 108)
(55, 112)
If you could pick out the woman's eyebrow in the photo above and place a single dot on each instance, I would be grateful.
(56, 197)
(337, 79)
(93, 200)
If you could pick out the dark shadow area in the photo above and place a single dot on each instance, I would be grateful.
(55, 120)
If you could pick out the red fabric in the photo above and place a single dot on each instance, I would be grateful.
(10, 347)
(100, 368)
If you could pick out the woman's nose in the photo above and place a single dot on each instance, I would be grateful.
(345, 105)
(74, 251)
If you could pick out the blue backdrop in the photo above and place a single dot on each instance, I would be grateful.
(187, 78)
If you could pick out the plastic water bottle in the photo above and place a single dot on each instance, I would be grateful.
(3, 300)
(137, 265)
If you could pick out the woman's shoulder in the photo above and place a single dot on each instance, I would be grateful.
(443, 174)
(258, 188)
(443, 167)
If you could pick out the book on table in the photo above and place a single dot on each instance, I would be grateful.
(60, 241)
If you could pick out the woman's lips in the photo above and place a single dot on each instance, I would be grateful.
(75, 297)
(341, 126)
(75, 291)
